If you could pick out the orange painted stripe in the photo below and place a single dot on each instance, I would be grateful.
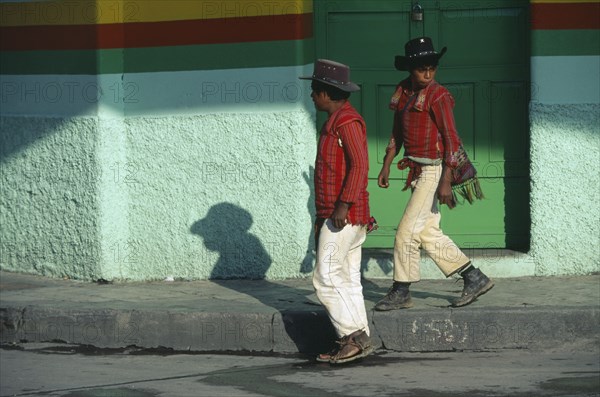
(157, 34)
(565, 16)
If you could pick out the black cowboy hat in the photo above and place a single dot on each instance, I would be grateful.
(333, 73)
(419, 49)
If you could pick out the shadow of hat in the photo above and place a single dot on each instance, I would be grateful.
(333, 73)
(419, 50)
(221, 220)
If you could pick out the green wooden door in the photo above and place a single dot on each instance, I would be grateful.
(487, 70)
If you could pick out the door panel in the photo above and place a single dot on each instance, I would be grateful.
(486, 72)
(368, 56)
(485, 36)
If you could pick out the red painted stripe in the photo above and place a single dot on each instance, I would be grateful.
(157, 34)
(565, 15)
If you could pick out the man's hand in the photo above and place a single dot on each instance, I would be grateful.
(384, 177)
(340, 214)
(444, 194)
(444, 191)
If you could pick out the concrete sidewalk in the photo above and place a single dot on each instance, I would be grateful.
(285, 316)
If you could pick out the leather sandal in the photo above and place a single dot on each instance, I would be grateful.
(352, 347)
(326, 357)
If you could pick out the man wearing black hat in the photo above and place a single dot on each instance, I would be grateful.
(424, 125)
(342, 203)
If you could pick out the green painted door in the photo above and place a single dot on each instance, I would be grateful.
(487, 70)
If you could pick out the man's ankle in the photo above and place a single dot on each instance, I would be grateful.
(466, 269)
(399, 285)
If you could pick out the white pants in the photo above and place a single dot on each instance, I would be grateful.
(337, 277)
(420, 228)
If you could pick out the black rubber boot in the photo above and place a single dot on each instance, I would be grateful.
(397, 298)
(476, 284)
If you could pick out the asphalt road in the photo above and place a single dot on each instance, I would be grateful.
(74, 371)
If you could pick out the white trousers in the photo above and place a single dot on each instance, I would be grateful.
(420, 228)
(337, 277)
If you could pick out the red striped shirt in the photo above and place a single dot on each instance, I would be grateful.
(424, 123)
(341, 171)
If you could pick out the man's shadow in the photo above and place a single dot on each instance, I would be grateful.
(242, 266)
(225, 230)
(307, 264)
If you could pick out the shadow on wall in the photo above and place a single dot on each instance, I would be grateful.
(225, 229)
(242, 257)
(308, 262)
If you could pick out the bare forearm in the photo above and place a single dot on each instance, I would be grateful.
(446, 175)
(388, 159)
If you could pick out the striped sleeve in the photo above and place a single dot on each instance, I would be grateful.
(443, 115)
(355, 147)
(396, 139)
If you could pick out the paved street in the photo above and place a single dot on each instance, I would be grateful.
(68, 370)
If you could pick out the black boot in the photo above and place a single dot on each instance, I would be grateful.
(397, 298)
(476, 284)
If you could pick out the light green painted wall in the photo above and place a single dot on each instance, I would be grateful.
(564, 119)
(49, 202)
(186, 174)
(191, 197)
(219, 195)
(565, 188)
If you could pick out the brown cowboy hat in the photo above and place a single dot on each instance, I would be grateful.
(333, 73)
(419, 49)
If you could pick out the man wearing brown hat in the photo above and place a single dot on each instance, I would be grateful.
(424, 125)
(342, 204)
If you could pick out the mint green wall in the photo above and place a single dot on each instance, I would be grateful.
(93, 198)
(565, 188)
(219, 195)
(50, 204)
(167, 179)
(565, 155)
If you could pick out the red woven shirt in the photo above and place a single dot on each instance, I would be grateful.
(424, 123)
(341, 171)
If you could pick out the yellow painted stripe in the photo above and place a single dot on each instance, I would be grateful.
(84, 12)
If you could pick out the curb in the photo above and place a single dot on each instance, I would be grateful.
(302, 331)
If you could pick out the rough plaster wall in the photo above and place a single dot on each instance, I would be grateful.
(220, 195)
(113, 189)
(565, 194)
(48, 196)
